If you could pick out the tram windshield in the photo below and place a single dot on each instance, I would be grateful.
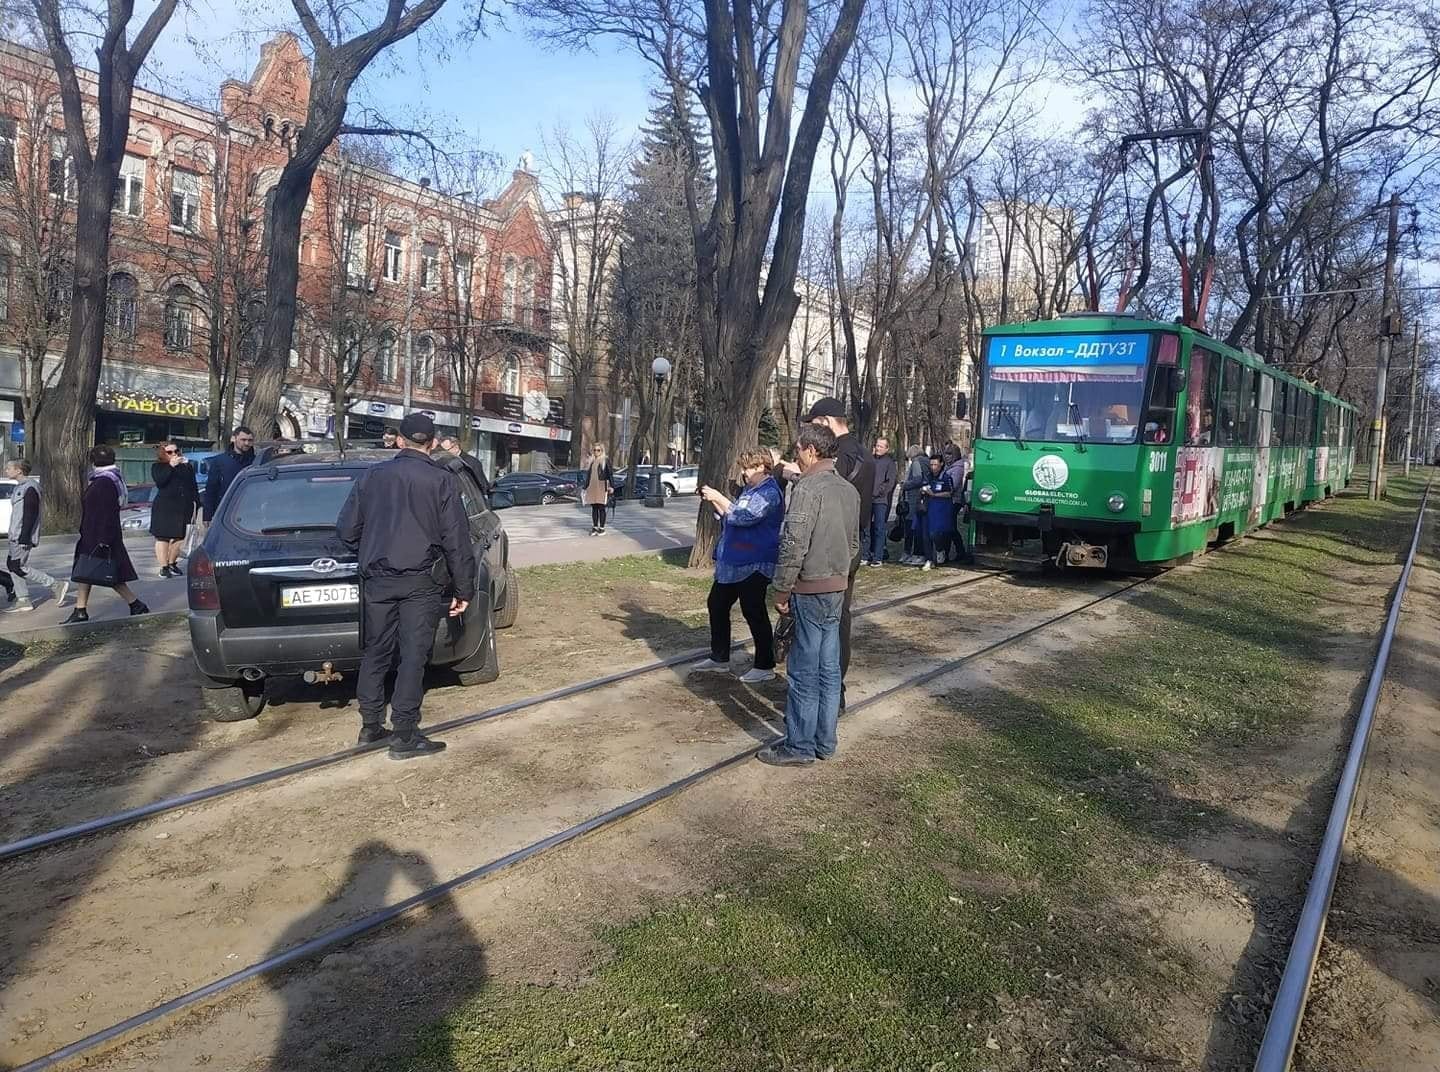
(1083, 388)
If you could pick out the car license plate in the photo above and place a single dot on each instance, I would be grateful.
(320, 595)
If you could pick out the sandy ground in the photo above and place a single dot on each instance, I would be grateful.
(1376, 1000)
(96, 931)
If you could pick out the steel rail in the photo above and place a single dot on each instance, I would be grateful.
(388, 914)
(61, 835)
(1283, 1027)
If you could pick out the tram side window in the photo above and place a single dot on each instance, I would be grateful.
(1277, 410)
(1249, 417)
(1232, 401)
(1200, 398)
(1159, 426)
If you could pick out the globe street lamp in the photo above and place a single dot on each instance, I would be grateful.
(656, 497)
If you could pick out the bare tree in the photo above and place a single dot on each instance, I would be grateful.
(36, 263)
(96, 147)
(585, 178)
(744, 63)
(345, 38)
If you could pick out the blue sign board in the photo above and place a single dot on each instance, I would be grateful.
(1031, 351)
(17, 432)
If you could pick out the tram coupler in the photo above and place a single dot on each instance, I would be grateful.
(1083, 556)
(326, 675)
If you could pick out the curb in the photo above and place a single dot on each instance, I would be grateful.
(26, 637)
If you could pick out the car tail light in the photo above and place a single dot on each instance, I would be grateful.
(200, 581)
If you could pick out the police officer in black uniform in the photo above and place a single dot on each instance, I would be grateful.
(405, 517)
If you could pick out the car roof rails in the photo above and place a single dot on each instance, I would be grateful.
(275, 449)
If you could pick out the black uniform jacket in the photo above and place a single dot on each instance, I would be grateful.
(403, 516)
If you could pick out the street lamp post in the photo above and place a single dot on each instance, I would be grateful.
(661, 368)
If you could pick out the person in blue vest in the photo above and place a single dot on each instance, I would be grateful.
(745, 561)
(938, 496)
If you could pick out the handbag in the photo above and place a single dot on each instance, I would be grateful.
(97, 569)
(897, 530)
(784, 637)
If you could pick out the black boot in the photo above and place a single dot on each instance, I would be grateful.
(138, 607)
(79, 614)
(372, 734)
(413, 745)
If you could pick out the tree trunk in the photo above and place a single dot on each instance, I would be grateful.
(282, 278)
(60, 454)
(723, 442)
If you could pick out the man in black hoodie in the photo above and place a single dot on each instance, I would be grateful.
(222, 469)
(858, 467)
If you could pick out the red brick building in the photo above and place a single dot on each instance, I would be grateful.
(409, 297)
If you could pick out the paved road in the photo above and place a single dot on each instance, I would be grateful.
(538, 535)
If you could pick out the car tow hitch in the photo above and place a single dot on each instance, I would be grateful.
(326, 675)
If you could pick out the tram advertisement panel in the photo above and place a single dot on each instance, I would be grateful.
(1197, 484)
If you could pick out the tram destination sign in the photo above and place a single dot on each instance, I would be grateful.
(1071, 351)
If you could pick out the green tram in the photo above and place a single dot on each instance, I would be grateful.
(1124, 442)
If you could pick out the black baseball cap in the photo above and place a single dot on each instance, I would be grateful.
(417, 427)
(828, 407)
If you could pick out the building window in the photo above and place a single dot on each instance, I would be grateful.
(385, 370)
(349, 352)
(179, 318)
(61, 177)
(317, 356)
(558, 365)
(7, 148)
(120, 301)
(393, 255)
(60, 289)
(510, 385)
(424, 361)
(525, 314)
(4, 288)
(130, 193)
(464, 277)
(252, 326)
(429, 266)
(352, 254)
(512, 281)
(184, 200)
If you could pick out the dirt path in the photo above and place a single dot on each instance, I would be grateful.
(1375, 1004)
(94, 932)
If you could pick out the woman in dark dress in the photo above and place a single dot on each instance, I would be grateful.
(100, 533)
(173, 510)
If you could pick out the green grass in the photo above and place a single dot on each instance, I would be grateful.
(974, 911)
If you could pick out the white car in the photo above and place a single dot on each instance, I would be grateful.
(7, 488)
(685, 480)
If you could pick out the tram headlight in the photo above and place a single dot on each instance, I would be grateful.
(1116, 503)
(986, 494)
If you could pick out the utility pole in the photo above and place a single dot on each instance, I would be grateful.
(1389, 325)
(1414, 386)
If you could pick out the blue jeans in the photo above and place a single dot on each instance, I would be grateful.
(812, 703)
(879, 526)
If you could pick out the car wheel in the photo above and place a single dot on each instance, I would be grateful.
(547, 499)
(669, 490)
(485, 663)
(505, 617)
(240, 703)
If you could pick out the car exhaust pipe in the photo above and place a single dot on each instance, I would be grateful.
(252, 673)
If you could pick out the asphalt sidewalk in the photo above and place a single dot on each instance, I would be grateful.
(539, 535)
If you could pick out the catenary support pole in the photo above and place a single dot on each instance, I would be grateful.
(1414, 387)
(1382, 360)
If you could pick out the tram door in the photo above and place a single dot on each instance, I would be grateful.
(1261, 484)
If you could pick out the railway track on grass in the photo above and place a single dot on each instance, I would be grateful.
(129, 816)
(379, 919)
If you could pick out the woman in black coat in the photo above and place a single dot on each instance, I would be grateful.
(101, 538)
(173, 510)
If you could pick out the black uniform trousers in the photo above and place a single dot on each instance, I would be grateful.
(399, 616)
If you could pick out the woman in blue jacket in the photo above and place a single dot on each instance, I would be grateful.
(939, 499)
(745, 561)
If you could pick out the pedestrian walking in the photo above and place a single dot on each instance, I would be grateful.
(177, 498)
(101, 560)
(472, 464)
(745, 560)
(405, 518)
(820, 540)
(917, 473)
(858, 467)
(886, 475)
(599, 487)
(956, 470)
(937, 497)
(26, 509)
(222, 469)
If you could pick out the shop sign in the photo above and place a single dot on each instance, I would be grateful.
(511, 407)
(520, 428)
(17, 432)
(148, 404)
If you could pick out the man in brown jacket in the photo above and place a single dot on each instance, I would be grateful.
(820, 539)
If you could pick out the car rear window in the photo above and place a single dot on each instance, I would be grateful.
(5, 490)
(292, 502)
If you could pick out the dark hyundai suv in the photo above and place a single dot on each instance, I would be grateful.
(275, 594)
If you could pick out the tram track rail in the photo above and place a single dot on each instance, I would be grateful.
(377, 920)
(105, 823)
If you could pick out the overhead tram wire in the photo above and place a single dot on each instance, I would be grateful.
(101, 824)
(365, 925)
